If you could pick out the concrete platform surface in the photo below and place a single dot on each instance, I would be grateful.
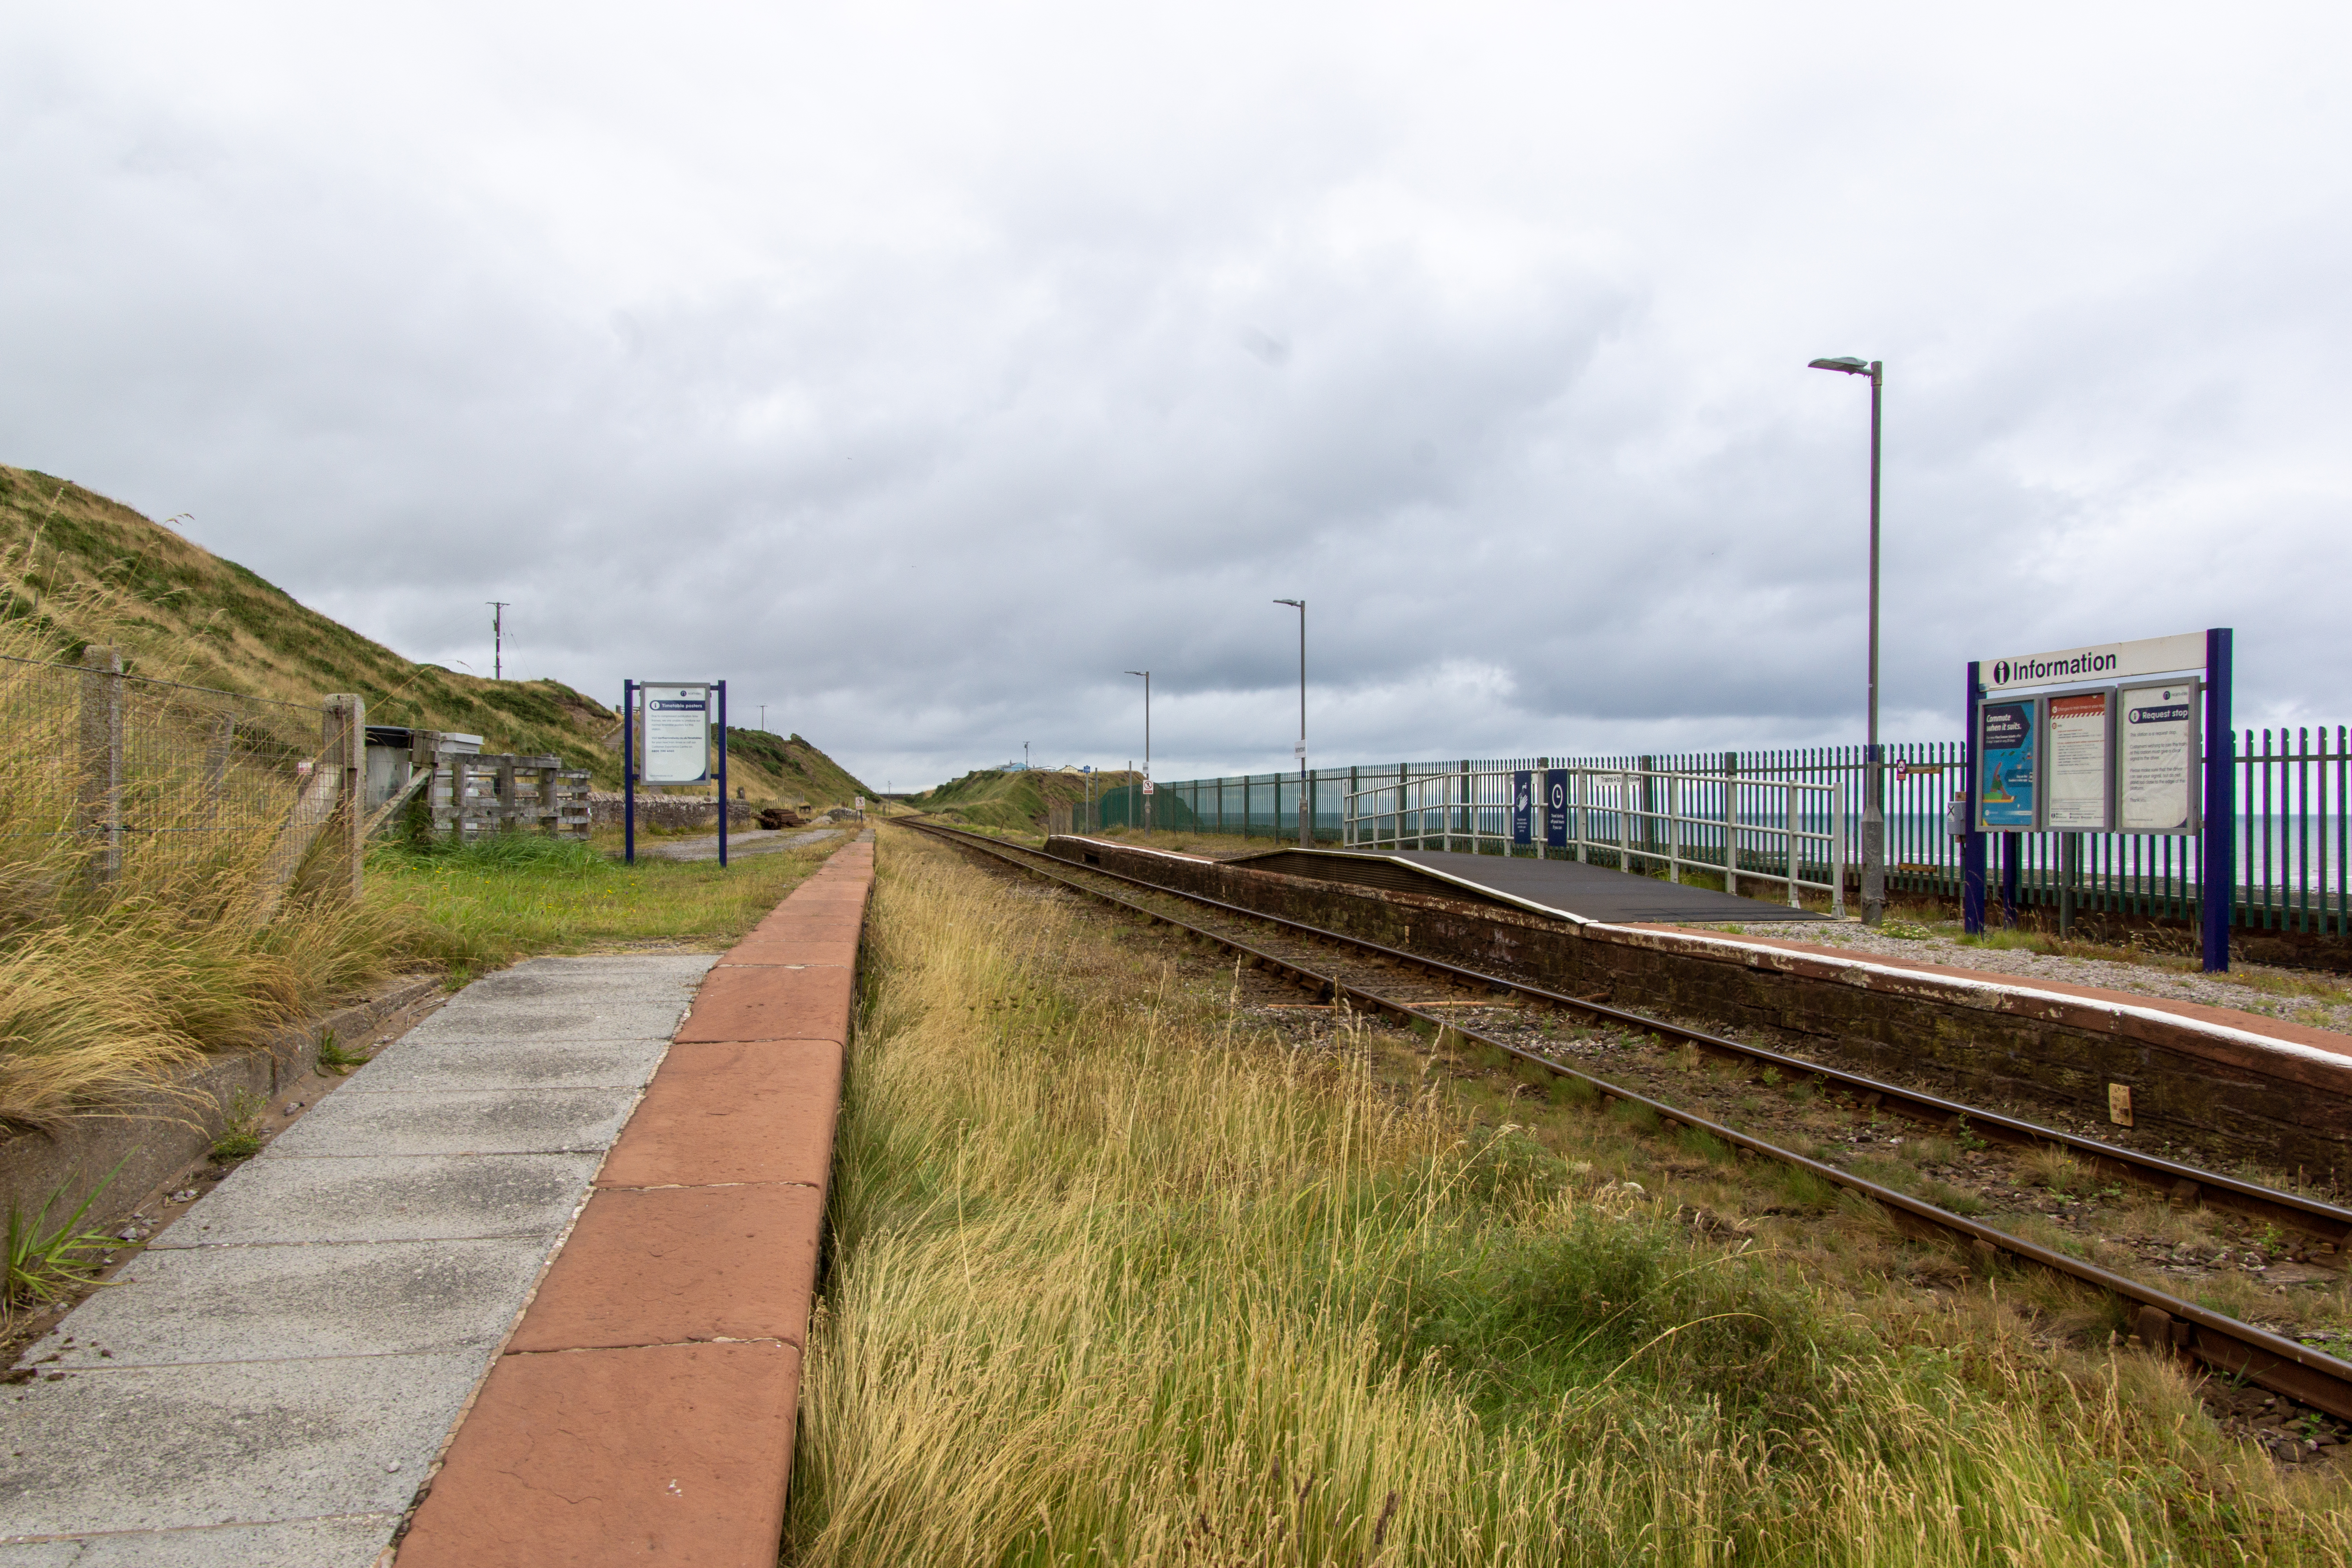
(645, 1408)
(1545, 887)
(268, 1384)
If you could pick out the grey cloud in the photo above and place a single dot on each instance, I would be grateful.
(922, 401)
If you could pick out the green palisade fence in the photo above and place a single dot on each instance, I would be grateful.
(2294, 786)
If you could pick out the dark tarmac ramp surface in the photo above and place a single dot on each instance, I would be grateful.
(1547, 886)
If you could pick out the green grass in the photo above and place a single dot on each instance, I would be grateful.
(499, 898)
(48, 1259)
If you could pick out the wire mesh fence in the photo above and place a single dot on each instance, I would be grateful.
(105, 775)
(2293, 796)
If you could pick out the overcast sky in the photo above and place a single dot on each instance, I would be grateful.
(921, 369)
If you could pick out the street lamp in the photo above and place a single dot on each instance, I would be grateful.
(1306, 819)
(1874, 787)
(1147, 749)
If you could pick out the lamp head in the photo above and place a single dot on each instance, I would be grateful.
(1846, 363)
(1294, 604)
(1145, 673)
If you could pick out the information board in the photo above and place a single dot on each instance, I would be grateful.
(2156, 765)
(1523, 813)
(1556, 810)
(2006, 737)
(678, 733)
(2076, 774)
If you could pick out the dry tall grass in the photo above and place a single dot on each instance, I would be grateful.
(1116, 1283)
(108, 985)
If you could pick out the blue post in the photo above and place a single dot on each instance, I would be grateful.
(629, 771)
(2220, 858)
(2012, 858)
(1972, 844)
(722, 776)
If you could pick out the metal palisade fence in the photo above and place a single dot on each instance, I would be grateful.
(2294, 805)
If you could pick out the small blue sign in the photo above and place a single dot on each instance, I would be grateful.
(1556, 810)
(1523, 796)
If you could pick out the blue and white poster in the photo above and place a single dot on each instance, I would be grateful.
(2005, 780)
(1556, 810)
(1523, 794)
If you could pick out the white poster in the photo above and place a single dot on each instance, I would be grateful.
(2075, 774)
(677, 734)
(2157, 765)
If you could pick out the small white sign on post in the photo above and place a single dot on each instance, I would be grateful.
(678, 732)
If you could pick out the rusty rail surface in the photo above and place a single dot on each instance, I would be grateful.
(2163, 1320)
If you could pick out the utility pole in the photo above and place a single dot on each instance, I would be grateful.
(763, 718)
(497, 636)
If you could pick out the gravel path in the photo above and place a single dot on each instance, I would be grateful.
(2251, 988)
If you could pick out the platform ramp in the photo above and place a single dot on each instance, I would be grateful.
(1568, 889)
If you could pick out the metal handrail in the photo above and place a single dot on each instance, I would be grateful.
(1617, 794)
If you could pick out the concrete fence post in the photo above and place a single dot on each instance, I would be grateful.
(342, 745)
(101, 790)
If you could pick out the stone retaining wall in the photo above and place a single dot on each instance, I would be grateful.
(2215, 1085)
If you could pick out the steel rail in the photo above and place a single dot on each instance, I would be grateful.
(2179, 1183)
(2164, 1321)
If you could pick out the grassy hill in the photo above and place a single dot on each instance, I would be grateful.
(77, 569)
(991, 797)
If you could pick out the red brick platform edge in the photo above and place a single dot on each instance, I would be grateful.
(643, 1411)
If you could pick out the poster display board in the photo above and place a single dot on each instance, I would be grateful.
(1555, 809)
(1523, 794)
(2075, 769)
(2008, 736)
(2155, 764)
(678, 732)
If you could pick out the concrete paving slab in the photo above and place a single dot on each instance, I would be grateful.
(680, 1264)
(723, 1113)
(174, 1447)
(353, 1541)
(177, 1306)
(647, 972)
(676, 1454)
(533, 1020)
(386, 1198)
(771, 1003)
(416, 1066)
(269, 1382)
(458, 1122)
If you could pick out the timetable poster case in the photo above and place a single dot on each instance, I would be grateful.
(2008, 739)
(2077, 774)
(2160, 758)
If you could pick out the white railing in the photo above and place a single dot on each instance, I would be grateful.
(1741, 830)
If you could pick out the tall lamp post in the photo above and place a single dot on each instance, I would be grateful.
(1147, 749)
(1874, 787)
(1305, 816)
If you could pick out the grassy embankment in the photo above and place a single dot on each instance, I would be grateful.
(1016, 801)
(1121, 1277)
(109, 988)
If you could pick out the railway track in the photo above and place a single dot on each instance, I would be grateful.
(1436, 994)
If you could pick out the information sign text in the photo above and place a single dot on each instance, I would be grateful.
(2074, 764)
(2157, 767)
(678, 733)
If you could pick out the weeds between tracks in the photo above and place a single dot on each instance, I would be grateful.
(1122, 1277)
